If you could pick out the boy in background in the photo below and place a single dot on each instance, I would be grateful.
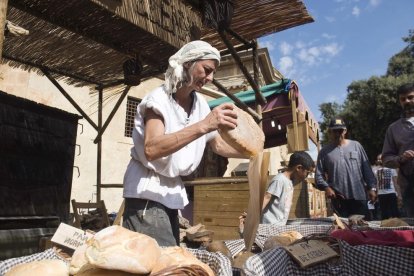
(279, 195)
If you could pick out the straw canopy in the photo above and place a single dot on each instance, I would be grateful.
(86, 42)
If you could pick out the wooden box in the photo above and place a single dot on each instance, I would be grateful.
(219, 206)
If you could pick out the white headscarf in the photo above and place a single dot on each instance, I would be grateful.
(194, 50)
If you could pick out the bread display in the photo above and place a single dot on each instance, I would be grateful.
(175, 256)
(284, 239)
(118, 248)
(79, 262)
(40, 268)
(117, 251)
(247, 138)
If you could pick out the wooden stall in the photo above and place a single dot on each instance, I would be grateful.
(286, 121)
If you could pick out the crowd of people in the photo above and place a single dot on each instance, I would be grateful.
(343, 170)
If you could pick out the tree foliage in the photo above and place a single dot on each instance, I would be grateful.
(371, 105)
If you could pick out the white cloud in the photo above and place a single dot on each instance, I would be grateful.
(286, 65)
(330, 19)
(318, 54)
(328, 36)
(332, 49)
(306, 56)
(374, 3)
(356, 11)
(285, 48)
(300, 44)
(267, 44)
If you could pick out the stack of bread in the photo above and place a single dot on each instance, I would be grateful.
(117, 251)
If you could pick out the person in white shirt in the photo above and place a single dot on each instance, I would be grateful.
(387, 189)
(278, 198)
(172, 126)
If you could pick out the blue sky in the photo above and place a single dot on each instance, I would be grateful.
(349, 40)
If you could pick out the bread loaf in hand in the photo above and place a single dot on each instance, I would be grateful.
(247, 138)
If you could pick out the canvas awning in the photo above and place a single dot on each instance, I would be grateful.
(277, 112)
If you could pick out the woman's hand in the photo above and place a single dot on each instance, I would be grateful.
(221, 116)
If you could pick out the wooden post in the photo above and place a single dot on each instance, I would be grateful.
(3, 12)
(294, 119)
(99, 144)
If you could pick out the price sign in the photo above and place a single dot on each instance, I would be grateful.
(310, 252)
(70, 236)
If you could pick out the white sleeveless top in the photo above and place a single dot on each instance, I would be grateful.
(160, 180)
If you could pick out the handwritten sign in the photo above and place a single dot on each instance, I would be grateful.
(70, 236)
(310, 252)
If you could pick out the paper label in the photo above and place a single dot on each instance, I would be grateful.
(70, 236)
(310, 252)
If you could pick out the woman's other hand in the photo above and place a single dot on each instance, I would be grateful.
(222, 116)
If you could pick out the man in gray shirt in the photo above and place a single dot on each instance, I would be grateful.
(398, 148)
(343, 171)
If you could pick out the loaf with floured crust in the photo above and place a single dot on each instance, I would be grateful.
(40, 268)
(247, 138)
(78, 262)
(117, 248)
(175, 256)
(283, 239)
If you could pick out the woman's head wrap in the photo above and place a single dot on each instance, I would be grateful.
(194, 50)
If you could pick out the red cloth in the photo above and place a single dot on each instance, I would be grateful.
(401, 238)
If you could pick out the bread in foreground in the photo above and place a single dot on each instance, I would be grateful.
(40, 268)
(117, 248)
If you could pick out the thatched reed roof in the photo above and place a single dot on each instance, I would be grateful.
(86, 41)
(254, 19)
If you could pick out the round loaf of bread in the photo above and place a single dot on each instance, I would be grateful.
(175, 256)
(247, 138)
(117, 248)
(283, 239)
(40, 268)
(78, 261)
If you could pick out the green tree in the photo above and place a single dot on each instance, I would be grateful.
(371, 105)
(403, 62)
(328, 111)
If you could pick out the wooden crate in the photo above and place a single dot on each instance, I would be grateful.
(308, 202)
(219, 206)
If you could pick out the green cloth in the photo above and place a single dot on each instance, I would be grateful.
(248, 96)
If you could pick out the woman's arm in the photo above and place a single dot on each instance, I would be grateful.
(158, 144)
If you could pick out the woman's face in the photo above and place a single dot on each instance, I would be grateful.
(201, 72)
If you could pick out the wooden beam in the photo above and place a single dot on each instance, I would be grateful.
(237, 101)
(259, 96)
(3, 12)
